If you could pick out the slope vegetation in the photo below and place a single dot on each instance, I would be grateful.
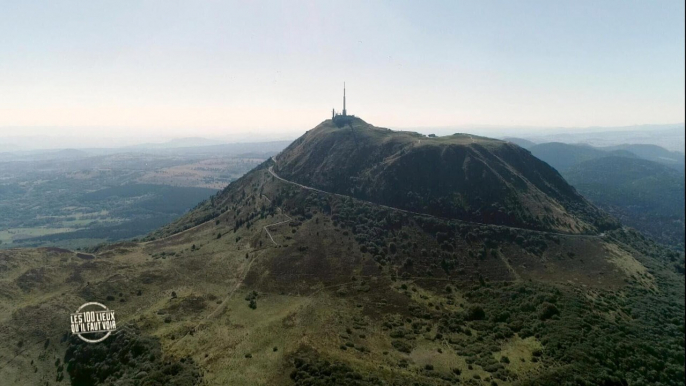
(641, 193)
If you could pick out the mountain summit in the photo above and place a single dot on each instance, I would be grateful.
(461, 176)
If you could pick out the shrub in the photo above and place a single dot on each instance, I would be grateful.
(402, 346)
(547, 311)
(476, 313)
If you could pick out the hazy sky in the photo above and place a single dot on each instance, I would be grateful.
(211, 68)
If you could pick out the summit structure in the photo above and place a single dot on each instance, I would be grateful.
(345, 113)
(341, 118)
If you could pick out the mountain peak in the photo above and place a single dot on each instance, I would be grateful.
(460, 176)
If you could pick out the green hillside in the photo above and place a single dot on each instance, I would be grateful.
(644, 189)
(643, 194)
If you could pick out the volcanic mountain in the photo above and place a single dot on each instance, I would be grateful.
(459, 177)
(362, 256)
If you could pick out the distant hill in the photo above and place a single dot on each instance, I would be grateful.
(667, 136)
(562, 156)
(643, 194)
(642, 185)
(655, 153)
(178, 142)
(43, 155)
(235, 148)
(525, 143)
(205, 146)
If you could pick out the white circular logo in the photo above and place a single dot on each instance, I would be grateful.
(93, 321)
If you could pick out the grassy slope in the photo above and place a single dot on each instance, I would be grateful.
(351, 283)
(643, 194)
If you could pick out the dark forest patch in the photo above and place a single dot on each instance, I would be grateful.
(127, 357)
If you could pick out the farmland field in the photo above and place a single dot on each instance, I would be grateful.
(81, 198)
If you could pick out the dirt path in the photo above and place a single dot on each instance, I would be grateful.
(275, 224)
(179, 233)
(509, 267)
(221, 307)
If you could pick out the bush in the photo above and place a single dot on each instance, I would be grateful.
(547, 311)
(476, 313)
(252, 299)
(402, 346)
